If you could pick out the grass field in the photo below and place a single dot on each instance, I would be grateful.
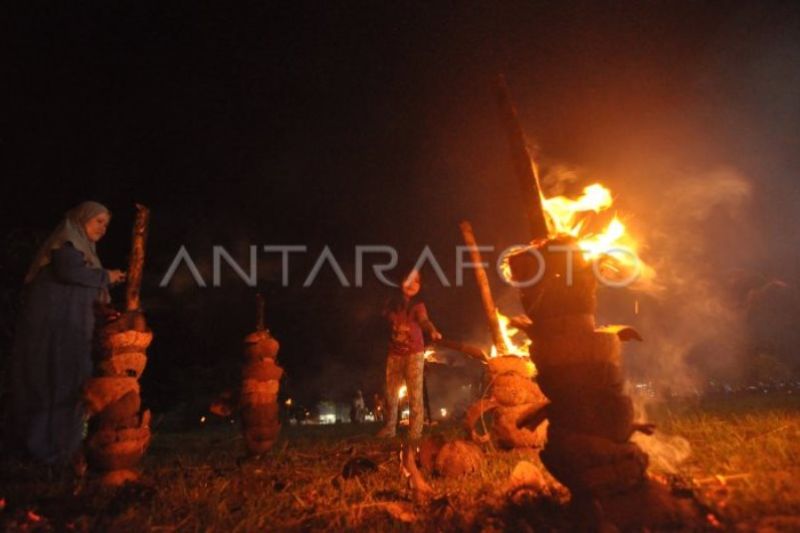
(744, 466)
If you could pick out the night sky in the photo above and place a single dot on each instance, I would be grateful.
(343, 123)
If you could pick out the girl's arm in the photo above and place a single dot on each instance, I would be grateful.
(425, 322)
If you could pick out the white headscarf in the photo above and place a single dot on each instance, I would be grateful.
(70, 230)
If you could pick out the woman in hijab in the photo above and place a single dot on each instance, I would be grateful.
(52, 347)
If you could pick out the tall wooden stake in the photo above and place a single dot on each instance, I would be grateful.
(483, 284)
(260, 312)
(522, 161)
(136, 264)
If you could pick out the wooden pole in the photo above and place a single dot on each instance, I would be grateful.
(523, 164)
(463, 347)
(260, 312)
(483, 284)
(136, 264)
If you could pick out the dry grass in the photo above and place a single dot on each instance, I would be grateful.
(744, 465)
(745, 460)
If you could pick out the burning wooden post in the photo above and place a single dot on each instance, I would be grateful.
(118, 432)
(523, 163)
(483, 285)
(590, 417)
(260, 383)
(512, 395)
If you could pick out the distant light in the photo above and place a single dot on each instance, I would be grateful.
(288, 402)
(202, 420)
(443, 412)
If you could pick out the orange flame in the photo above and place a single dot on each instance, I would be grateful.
(509, 333)
(402, 391)
(613, 247)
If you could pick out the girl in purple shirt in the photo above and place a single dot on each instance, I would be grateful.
(405, 361)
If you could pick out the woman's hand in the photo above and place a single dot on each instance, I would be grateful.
(436, 336)
(116, 276)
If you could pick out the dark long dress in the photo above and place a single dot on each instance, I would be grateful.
(52, 357)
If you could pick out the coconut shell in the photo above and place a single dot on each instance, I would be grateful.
(260, 415)
(126, 423)
(123, 364)
(521, 366)
(572, 381)
(509, 435)
(263, 432)
(262, 371)
(117, 478)
(428, 450)
(526, 474)
(614, 477)
(259, 392)
(578, 348)
(513, 389)
(563, 325)
(475, 412)
(580, 452)
(261, 439)
(260, 345)
(458, 458)
(122, 409)
(112, 459)
(124, 451)
(99, 392)
(128, 341)
(603, 414)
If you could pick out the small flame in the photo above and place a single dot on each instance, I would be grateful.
(613, 247)
(429, 354)
(288, 402)
(443, 412)
(402, 392)
(509, 333)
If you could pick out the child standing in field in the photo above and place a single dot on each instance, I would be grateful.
(405, 361)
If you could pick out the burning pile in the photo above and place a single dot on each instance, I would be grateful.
(590, 417)
(118, 432)
(260, 383)
(511, 394)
